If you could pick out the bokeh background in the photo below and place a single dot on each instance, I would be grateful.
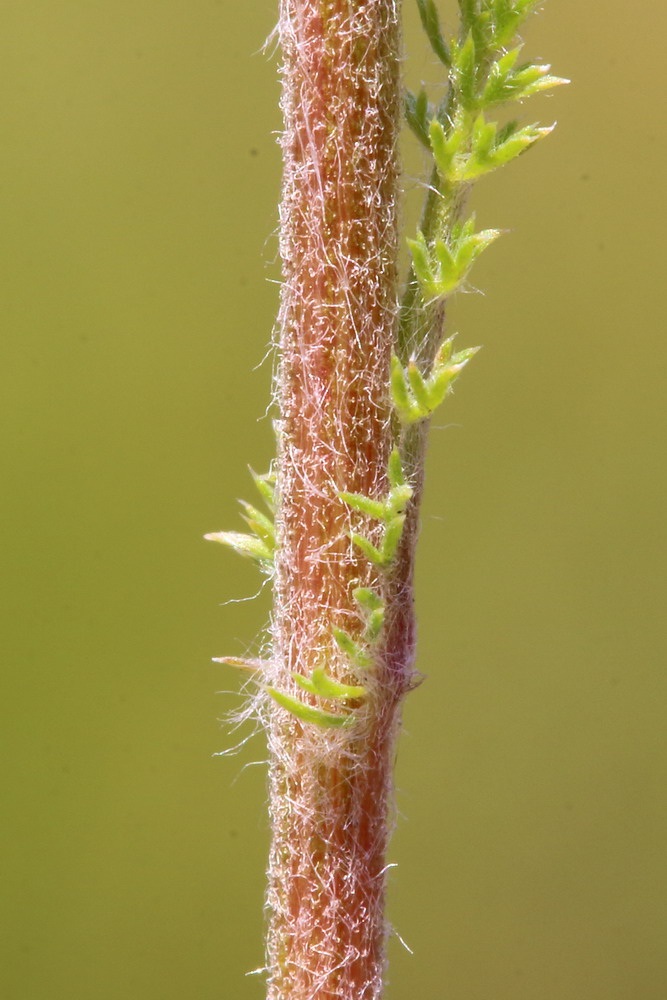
(140, 176)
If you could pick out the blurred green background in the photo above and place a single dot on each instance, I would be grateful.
(140, 176)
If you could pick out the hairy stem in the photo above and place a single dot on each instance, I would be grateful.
(330, 787)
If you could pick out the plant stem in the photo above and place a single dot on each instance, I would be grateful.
(359, 377)
(330, 788)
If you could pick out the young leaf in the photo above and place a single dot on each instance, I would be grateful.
(465, 64)
(357, 501)
(265, 487)
(261, 524)
(416, 115)
(321, 684)
(351, 648)
(400, 394)
(374, 624)
(503, 152)
(428, 13)
(442, 147)
(249, 546)
(368, 549)
(367, 598)
(392, 536)
(252, 666)
(418, 387)
(395, 470)
(306, 713)
(421, 263)
(398, 499)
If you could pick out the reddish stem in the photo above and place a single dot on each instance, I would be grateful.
(330, 788)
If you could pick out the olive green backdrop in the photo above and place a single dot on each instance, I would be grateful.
(140, 177)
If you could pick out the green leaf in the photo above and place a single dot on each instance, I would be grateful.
(306, 713)
(441, 147)
(357, 501)
(465, 64)
(367, 598)
(260, 523)
(351, 648)
(416, 115)
(395, 470)
(265, 487)
(421, 264)
(483, 138)
(461, 359)
(482, 161)
(400, 394)
(506, 84)
(398, 500)
(448, 275)
(374, 624)
(368, 549)
(246, 545)
(507, 18)
(428, 13)
(324, 686)
(468, 10)
(446, 370)
(392, 536)
(418, 387)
